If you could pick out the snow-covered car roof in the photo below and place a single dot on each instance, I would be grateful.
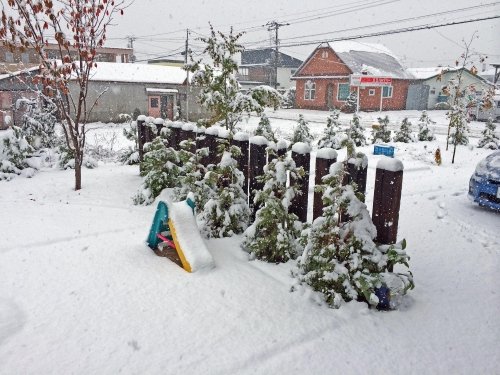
(489, 167)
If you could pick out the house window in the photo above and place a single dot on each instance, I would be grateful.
(387, 92)
(433, 91)
(343, 92)
(324, 54)
(371, 92)
(154, 102)
(9, 57)
(244, 71)
(310, 90)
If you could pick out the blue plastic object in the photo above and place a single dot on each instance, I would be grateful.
(160, 224)
(384, 298)
(383, 150)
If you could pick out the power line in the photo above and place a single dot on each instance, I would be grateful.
(387, 32)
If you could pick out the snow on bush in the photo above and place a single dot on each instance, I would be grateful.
(14, 152)
(302, 132)
(356, 131)
(404, 133)
(331, 135)
(264, 129)
(340, 259)
(274, 235)
(489, 140)
(380, 132)
(424, 132)
(226, 213)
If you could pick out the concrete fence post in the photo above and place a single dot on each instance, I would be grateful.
(241, 140)
(257, 162)
(387, 199)
(324, 158)
(160, 123)
(301, 154)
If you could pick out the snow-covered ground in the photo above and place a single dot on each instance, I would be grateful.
(81, 293)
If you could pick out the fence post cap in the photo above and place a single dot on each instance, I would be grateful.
(159, 121)
(281, 144)
(390, 164)
(327, 153)
(224, 133)
(258, 140)
(359, 161)
(188, 126)
(141, 118)
(150, 119)
(212, 130)
(176, 124)
(301, 148)
(241, 136)
(199, 129)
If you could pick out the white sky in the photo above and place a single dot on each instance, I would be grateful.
(167, 20)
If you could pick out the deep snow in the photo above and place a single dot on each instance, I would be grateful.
(80, 292)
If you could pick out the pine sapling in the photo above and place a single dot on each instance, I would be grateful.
(331, 135)
(424, 132)
(226, 213)
(340, 259)
(302, 132)
(404, 133)
(356, 131)
(274, 236)
(381, 133)
(489, 140)
(264, 129)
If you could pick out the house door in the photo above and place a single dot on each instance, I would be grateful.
(164, 107)
(329, 96)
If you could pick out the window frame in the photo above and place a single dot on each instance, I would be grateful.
(339, 99)
(310, 92)
(390, 90)
(154, 100)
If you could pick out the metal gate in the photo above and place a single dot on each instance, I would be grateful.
(418, 96)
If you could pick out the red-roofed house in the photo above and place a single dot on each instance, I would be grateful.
(334, 70)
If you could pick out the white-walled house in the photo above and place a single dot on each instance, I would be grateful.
(438, 77)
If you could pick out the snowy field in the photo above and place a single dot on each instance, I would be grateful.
(81, 293)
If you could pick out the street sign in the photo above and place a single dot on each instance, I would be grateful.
(371, 81)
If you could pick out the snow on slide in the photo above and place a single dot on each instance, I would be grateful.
(187, 237)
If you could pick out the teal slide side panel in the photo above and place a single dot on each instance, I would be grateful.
(159, 225)
(190, 203)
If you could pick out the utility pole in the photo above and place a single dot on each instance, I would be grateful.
(275, 25)
(130, 44)
(187, 74)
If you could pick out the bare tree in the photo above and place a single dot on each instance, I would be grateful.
(77, 28)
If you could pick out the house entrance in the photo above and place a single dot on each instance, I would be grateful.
(329, 96)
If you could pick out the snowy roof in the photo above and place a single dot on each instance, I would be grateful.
(13, 74)
(424, 73)
(144, 73)
(373, 59)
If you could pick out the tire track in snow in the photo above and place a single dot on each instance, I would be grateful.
(62, 239)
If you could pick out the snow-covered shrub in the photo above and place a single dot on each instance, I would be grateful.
(39, 122)
(14, 152)
(331, 135)
(67, 156)
(489, 140)
(404, 133)
(160, 170)
(191, 174)
(340, 260)
(226, 213)
(351, 103)
(424, 132)
(459, 125)
(301, 132)
(130, 155)
(264, 129)
(380, 132)
(274, 235)
(356, 131)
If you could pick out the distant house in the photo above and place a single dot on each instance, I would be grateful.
(433, 80)
(15, 86)
(334, 70)
(12, 61)
(155, 90)
(258, 67)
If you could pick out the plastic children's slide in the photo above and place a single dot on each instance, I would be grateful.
(174, 234)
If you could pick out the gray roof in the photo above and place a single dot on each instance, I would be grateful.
(379, 64)
(266, 57)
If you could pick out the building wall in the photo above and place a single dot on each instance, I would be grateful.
(436, 85)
